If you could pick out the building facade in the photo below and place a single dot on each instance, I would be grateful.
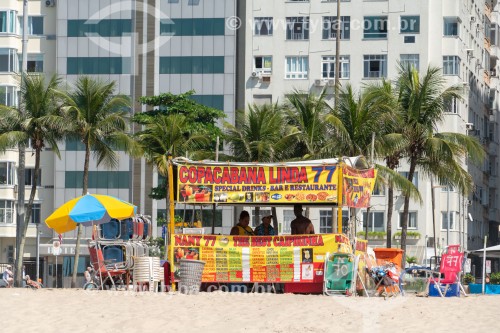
(291, 45)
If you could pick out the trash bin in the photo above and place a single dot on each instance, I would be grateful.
(190, 276)
(393, 255)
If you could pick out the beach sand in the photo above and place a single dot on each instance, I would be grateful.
(75, 310)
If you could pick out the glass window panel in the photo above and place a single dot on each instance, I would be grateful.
(410, 24)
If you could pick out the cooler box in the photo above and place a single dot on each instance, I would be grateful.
(453, 290)
(393, 255)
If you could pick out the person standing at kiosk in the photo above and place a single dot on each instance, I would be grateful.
(242, 228)
(301, 225)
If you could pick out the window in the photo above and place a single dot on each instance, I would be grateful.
(296, 67)
(8, 60)
(7, 173)
(288, 217)
(213, 101)
(328, 67)
(263, 64)
(410, 24)
(6, 211)
(325, 221)
(452, 106)
(415, 177)
(35, 63)
(375, 27)
(297, 28)
(412, 60)
(378, 190)
(35, 25)
(185, 27)
(98, 65)
(376, 222)
(192, 65)
(8, 21)
(105, 27)
(29, 177)
(98, 179)
(263, 26)
(451, 25)
(451, 65)
(375, 65)
(444, 220)
(35, 213)
(330, 27)
(412, 220)
(8, 95)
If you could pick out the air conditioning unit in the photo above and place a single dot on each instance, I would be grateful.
(255, 74)
(318, 83)
(265, 79)
(50, 3)
(472, 18)
(331, 83)
(469, 202)
(469, 126)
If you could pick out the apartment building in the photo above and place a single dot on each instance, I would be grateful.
(147, 48)
(291, 45)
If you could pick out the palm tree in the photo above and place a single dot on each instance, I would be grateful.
(98, 118)
(165, 134)
(423, 102)
(307, 113)
(356, 119)
(261, 137)
(38, 123)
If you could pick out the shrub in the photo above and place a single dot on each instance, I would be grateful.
(469, 278)
(495, 278)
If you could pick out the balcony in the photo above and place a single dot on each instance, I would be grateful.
(487, 44)
(487, 10)
(487, 78)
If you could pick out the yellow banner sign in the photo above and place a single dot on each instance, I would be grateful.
(296, 258)
(358, 186)
(257, 184)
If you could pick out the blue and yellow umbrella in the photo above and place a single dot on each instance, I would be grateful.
(91, 209)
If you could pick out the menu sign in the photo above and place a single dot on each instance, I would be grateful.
(257, 184)
(295, 258)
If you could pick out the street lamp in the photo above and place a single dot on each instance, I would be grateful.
(448, 215)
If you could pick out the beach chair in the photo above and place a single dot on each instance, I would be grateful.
(110, 230)
(127, 229)
(104, 268)
(340, 274)
(449, 274)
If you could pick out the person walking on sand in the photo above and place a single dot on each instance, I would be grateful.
(8, 276)
(301, 225)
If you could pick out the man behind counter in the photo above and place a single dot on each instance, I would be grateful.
(301, 225)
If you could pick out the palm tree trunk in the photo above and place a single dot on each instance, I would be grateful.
(404, 222)
(20, 214)
(390, 207)
(29, 208)
(167, 216)
(79, 234)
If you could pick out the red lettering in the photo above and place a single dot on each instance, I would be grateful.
(320, 241)
(217, 176)
(178, 240)
(261, 176)
(235, 175)
(183, 177)
(302, 175)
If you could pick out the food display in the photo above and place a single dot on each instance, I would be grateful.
(193, 193)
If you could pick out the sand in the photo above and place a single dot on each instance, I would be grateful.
(75, 310)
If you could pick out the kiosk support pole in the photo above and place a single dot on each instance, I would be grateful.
(339, 199)
(172, 218)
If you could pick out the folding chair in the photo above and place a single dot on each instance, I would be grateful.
(105, 269)
(450, 271)
(110, 230)
(340, 274)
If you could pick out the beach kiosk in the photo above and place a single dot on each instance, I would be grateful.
(267, 259)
